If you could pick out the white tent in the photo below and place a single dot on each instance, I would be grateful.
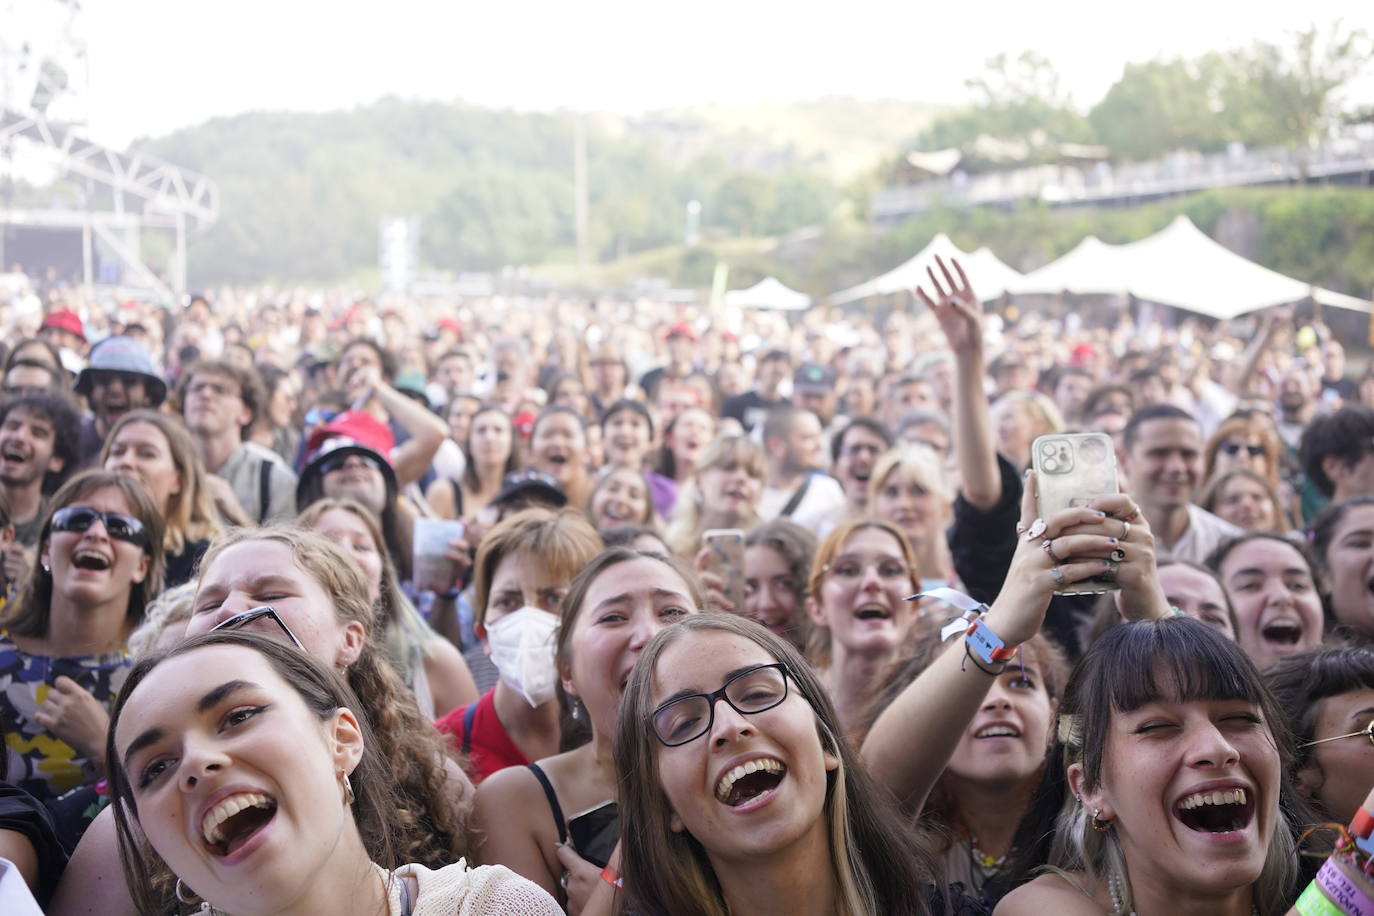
(988, 275)
(1179, 266)
(768, 293)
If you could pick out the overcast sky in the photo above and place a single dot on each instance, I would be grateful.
(156, 65)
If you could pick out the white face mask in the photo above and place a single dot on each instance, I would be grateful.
(522, 649)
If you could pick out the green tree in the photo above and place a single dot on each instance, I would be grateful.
(1162, 105)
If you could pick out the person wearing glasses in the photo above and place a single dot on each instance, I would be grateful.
(248, 770)
(119, 377)
(556, 821)
(744, 796)
(299, 587)
(860, 580)
(1328, 696)
(62, 646)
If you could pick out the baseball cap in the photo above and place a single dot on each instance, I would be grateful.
(813, 378)
(66, 320)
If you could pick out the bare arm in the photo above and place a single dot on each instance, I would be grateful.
(508, 803)
(17, 847)
(93, 884)
(1250, 359)
(412, 458)
(960, 316)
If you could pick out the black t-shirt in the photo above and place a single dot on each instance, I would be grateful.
(750, 408)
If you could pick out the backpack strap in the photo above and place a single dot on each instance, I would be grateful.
(469, 716)
(264, 489)
(797, 497)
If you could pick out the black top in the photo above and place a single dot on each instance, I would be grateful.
(26, 815)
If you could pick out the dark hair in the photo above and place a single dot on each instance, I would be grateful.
(57, 408)
(272, 378)
(1302, 681)
(56, 377)
(553, 410)
(872, 424)
(779, 422)
(631, 405)
(470, 468)
(1225, 548)
(1345, 435)
(1328, 522)
(1092, 404)
(384, 356)
(1131, 665)
(1146, 414)
(323, 693)
(29, 614)
(250, 385)
(880, 863)
(603, 479)
(13, 357)
(627, 535)
(797, 546)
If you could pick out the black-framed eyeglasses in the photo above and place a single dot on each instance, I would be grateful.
(1233, 448)
(121, 527)
(239, 621)
(686, 719)
(1367, 732)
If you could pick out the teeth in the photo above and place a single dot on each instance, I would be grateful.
(997, 731)
(727, 782)
(216, 816)
(1232, 797)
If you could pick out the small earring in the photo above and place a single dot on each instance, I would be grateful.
(348, 789)
(1096, 823)
(181, 894)
(572, 710)
(46, 568)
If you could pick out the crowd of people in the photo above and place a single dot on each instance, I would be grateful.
(728, 612)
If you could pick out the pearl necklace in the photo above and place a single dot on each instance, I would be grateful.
(1118, 895)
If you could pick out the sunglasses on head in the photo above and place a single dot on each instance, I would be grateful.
(337, 462)
(253, 615)
(1233, 448)
(76, 519)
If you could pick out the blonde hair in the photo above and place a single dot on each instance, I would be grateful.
(919, 462)
(683, 533)
(818, 645)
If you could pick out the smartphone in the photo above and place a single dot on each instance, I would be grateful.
(1073, 469)
(594, 833)
(727, 561)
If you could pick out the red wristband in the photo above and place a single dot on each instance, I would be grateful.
(612, 877)
(1362, 825)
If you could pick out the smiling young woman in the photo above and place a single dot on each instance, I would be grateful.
(1272, 584)
(237, 759)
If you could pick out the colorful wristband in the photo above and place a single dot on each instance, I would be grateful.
(1314, 903)
(1345, 893)
(612, 877)
(987, 644)
(1362, 825)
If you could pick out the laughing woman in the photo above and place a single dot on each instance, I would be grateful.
(62, 650)
(235, 755)
(743, 796)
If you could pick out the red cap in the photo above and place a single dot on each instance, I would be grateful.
(524, 423)
(681, 329)
(66, 320)
(1081, 353)
(452, 324)
(353, 427)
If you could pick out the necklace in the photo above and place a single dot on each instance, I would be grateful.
(1118, 897)
(982, 860)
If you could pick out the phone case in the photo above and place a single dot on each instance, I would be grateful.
(727, 561)
(1073, 469)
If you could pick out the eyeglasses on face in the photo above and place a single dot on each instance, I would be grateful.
(1366, 732)
(239, 621)
(121, 527)
(1233, 448)
(685, 719)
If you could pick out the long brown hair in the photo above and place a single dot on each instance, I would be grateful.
(429, 830)
(191, 514)
(880, 864)
(323, 692)
(30, 614)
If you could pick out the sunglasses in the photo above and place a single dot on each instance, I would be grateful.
(1366, 732)
(76, 519)
(337, 462)
(239, 621)
(319, 415)
(1233, 448)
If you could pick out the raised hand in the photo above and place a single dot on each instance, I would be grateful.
(71, 713)
(955, 308)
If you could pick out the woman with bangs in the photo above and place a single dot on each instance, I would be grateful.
(156, 450)
(556, 821)
(1168, 789)
(1245, 499)
(744, 796)
(909, 489)
(723, 492)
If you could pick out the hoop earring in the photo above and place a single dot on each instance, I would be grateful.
(348, 789)
(1098, 824)
(180, 892)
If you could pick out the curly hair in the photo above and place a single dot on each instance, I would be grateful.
(429, 828)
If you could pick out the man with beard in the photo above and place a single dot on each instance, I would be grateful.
(1297, 405)
(796, 488)
(38, 435)
(854, 450)
(120, 378)
(1161, 468)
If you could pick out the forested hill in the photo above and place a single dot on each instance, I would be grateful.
(301, 194)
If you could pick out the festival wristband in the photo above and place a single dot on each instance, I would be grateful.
(1346, 894)
(612, 877)
(987, 644)
(1314, 903)
(969, 607)
(1362, 825)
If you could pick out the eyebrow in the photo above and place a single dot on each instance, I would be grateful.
(1362, 712)
(627, 596)
(209, 701)
(1256, 571)
(693, 692)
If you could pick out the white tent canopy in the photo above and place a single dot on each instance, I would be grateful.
(1178, 266)
(988, 275)
(768, 293)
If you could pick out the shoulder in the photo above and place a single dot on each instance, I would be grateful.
(1051, 893)
(508, 790)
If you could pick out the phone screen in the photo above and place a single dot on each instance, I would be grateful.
(594, 833)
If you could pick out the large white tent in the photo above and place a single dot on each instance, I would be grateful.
(988, 275)
(768, 293)
(1178, 266)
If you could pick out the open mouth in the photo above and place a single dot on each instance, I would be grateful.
(750, 780)
(91, 560)
(558, 460)
(231, 823)
(1224, 811)
(997, 731)
(614, 514)
(1282, 632)
(13, 455)
(873, 612)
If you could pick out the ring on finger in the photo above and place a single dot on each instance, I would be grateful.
(1037, 528)
(1118, 554)
(1058, 576)
(1125, 530)
(563, 881)
(1048, 546)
